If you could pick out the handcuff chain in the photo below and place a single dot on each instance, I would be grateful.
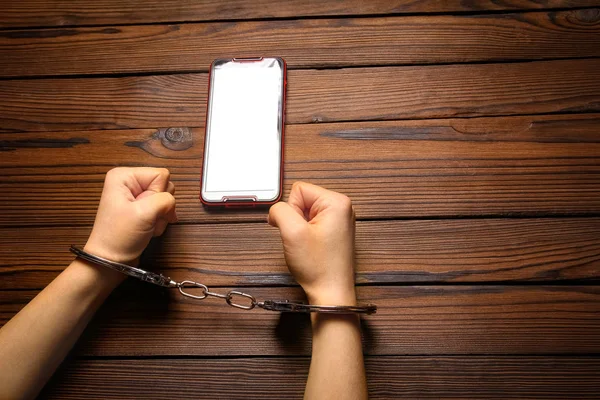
(270, 305)
(229, 297)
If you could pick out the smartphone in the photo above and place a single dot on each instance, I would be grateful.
(243, 144)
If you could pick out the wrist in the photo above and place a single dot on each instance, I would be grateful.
(100, 248)
(110, 276)
(332, 296)
(88, 274)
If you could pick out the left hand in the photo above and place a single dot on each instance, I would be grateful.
(136, 204)
(317, 230)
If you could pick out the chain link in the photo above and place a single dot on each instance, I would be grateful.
(229, 297)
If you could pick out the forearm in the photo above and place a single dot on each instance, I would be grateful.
(37, 339)
(337, 368)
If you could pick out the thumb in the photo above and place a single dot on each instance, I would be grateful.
(287, 219)
(158, 205)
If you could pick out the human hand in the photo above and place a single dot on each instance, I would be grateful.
(136, 204)
(317, 230)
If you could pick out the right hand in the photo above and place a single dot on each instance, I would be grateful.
(136, 204)
(317, 230)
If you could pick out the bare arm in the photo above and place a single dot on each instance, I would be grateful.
(317, 230)
(136, 204)
(38, 338)
(337, 368)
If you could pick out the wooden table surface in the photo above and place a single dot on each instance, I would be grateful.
(467, 134)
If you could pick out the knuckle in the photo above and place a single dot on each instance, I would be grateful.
(296, 185)
(275, 210)
(165, 172)
(280, 205)
(345, 203)
(170, 198)
(114, 173)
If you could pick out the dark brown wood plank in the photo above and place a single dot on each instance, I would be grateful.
(481, 166)
(107, 103)
(397, 377)
(15, 13)
(383, 93)
(144, 320)
(387, 252)
(443, 91)
(303, 43)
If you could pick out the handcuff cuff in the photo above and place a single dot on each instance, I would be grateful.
(229, 297)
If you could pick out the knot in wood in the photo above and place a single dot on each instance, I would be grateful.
(176, 138)
(589, 16)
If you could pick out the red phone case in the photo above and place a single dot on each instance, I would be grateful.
(250, 203)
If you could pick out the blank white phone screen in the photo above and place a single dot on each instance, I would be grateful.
(244, 127)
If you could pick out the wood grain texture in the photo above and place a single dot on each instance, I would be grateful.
(398, 377)
(15, 13)
(302, 43)
(387, 252)
(412, 169)
(144, 320)
(443, 91)
(424, 157)
(351, 94)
